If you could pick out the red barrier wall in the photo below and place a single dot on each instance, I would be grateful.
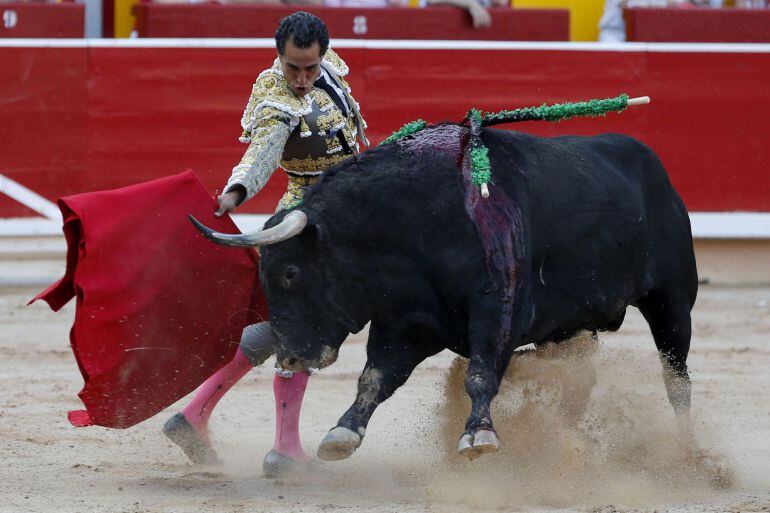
(20, 19)
(84, 119)
(209, 20)
(698, 25)
(43, 121)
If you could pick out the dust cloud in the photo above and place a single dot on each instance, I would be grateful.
(580, 423)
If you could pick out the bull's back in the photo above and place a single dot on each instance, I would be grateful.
(603, 224)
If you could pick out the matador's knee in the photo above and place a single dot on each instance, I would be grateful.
(257, 343)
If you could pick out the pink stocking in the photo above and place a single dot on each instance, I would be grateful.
(213, 389)
(289, 392)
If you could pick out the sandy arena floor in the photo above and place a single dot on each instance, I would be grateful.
(620, 454)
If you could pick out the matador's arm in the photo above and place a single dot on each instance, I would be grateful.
(268, 138)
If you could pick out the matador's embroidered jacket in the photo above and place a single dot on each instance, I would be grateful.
(305, 135)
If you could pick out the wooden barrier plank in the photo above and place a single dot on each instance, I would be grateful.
(698, 25)
(209, 20)
(154, 111)
(163, 110)
(43, 121)
(21, 19)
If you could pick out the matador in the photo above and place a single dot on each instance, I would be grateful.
(302, 117)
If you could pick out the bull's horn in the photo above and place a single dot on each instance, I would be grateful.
(292, 224)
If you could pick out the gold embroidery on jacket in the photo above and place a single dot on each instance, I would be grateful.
(272, 115)
(313, 165)
(295, 191)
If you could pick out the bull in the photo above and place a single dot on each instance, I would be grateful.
(386, 238)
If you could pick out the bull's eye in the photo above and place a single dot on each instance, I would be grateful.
(291, 272)
(289, 276)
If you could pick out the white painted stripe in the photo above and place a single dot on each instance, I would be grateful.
(394, 44)
(184, 43)
(29, 227)
(732, 225)
(36, 226)
(705, 225)
(43, 43)
(250, 222)
(16, 247)
(29, 198)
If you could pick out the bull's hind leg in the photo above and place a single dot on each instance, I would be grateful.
(490, 352)
(668, 315)
(481, 385)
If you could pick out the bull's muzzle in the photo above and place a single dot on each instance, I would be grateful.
(292, 362)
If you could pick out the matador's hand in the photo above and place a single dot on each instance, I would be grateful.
(228, 201)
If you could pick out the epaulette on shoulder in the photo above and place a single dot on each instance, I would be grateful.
(335, 62)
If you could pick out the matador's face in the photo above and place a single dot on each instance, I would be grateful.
(301, 66)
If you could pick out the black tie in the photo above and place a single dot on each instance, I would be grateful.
(321, 83)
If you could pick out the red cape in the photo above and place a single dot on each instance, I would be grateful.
(158, 307)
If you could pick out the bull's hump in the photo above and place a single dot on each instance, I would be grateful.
(442, 139)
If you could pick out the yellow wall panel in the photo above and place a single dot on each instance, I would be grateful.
(584, 15)
(124, 20)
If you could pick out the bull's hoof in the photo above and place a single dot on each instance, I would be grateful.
(473, 445)
(486, 441)
(338, 444)
(465, 447)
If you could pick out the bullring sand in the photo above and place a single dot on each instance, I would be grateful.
(584, 428)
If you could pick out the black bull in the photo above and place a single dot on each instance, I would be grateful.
(387, 240)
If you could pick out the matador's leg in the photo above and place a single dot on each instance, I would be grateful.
(189, 428)
(289, 390)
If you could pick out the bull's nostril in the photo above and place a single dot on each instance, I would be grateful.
(292, 361)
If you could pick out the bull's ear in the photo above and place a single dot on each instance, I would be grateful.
(315, 236)
(319, 231)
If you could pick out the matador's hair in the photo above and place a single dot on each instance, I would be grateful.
(303, 29)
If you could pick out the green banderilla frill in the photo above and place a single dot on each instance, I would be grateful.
(479, 154)
(555, 112)
(481, 169)
(410, 128)
(558, 111)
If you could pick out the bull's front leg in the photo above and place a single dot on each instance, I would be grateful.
(388, 366)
